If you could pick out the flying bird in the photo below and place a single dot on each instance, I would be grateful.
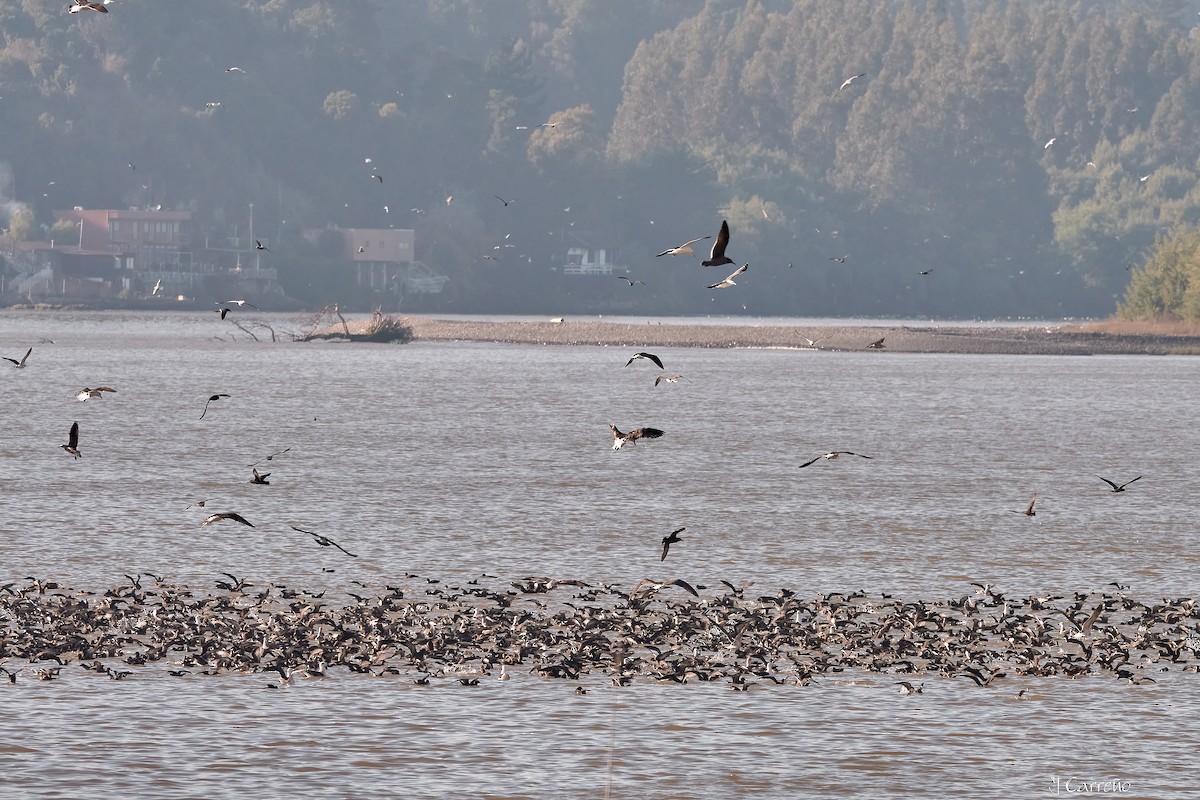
(222, 311)
(667, 378)
(729, 281)
(669, 540)
(261, 478)
(840, 260)
(717, 257)
(19, 364)
(846, 83)
(72, 445)
(86, 394)
(648, 356)
(1029, 512)
(211, 399)
(1120, 488)
(236, 69)
(377, 176)
(684, 249)
(1053, 139)
(226, 515)
(502, 200)
(270, 457)
(75, 8)
(830, 457)
(653, 586)
(324, 541)
(925, 271)
(877, 344)
(630, 281)
(239, 303)
(260, 246)
(621, 439)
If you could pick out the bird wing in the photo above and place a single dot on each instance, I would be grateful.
(700, 239)
(666, 543)
(810, 463)
(1126, 483)
(718, 248)
(848, 453)
(658, 380)
(654, 358)
(1110, 483)
(27, 352)
(73, 436)
(13, 360)
(644, 433)
(236, 518)
(682, 584)
(1031, 502)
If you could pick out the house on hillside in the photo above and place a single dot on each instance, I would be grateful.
(382, 260)
(586, 254)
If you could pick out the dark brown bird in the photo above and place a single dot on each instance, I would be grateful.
(211, 399)
(1029, 512)
(653, 586)
(669, 540)
(72, 445)
(717, 257)
(226, 515)
(648, 356)
(830, 457)
(261, 478)
(877, 344)
(1120, 488)
(260, 246)
(620, 439)
(324, 541)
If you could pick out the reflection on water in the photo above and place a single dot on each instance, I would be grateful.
(450, 460)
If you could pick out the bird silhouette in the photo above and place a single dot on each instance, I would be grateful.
(717, 257)
(260, 478)
(830, 457)
(260, 246)
(86, 394)
(231, 515)
(211, 399)
(621, 439)
(1029, 512)
(19, 364)
(877, 344)
(648, 357)
(670, 539)
(72, 445)
(1120, 488)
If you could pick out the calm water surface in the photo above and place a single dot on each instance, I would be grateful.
(451, 460)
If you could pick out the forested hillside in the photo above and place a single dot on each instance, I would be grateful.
(1022, 155)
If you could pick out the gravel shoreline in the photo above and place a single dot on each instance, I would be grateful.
(900, 338)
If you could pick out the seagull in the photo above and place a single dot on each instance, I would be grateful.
(717, 257)
(72, 445)
(1029, 512)
(19, 364)
(260, 246)
(212, 104)
(846, 83)
(85, 6)
(684, 249)
(877, 344)
(226, 515)
(362, 249)
(85, 393)
(729, 281)
(630, 281)
(649, 356)
(813, 342)
(669, 540)
(841, 260)
(268, 458)
(925, 271)
(620, 439)
(1120, 488)
(239, 303)
(1053, 139)
(211, 399)
(502, 200)
(236, 69)
(830, 457)
(324, 541)
(667, 378)
(261, 478)
(654, 586)
(377, 176)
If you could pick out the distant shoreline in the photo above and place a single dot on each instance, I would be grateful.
(899, 338)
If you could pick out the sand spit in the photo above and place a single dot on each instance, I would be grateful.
(897, 339)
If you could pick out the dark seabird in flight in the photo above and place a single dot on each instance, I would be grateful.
(261, 478)
(877, 344)
(211, 399)
(830, 457)
(649, 356)
(223, 312)
(260, 246)
(86, 394)
(1120, 488)
(620, 439)
(839, 259)
(1029, 512)
(684, 249)
(908, 688)
(502, 200)
(669, 540)
(725, 284)
(631, 281)
(270, 457)
(72, 445)
(846, 83)
(717, 257)
(654, 586)
(226, 515)
(324, 541)
(19, 364)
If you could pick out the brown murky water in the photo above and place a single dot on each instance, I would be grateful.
(452, 460)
